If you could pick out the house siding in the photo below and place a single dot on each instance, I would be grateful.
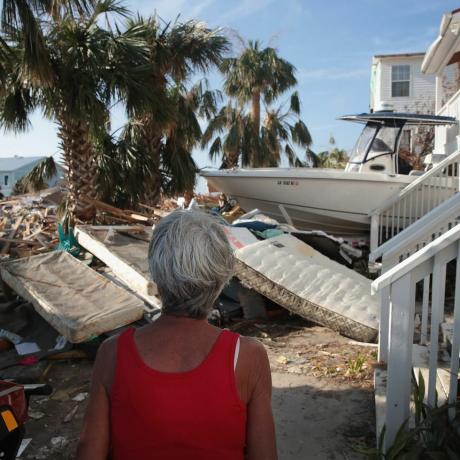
(422, 88)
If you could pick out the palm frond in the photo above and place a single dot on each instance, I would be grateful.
(36, 179)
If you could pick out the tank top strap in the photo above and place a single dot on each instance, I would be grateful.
(224, 352)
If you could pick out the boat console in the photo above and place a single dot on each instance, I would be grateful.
(378, 147)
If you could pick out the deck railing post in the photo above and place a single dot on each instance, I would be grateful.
(437, 313)
(425, 305)
(384, 324)
(375, 238)
(455, 346)
(399, 376)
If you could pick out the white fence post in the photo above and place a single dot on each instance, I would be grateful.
(399, 356)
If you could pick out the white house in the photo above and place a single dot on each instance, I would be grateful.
(14, 168)
(443, 58)
(398, 84)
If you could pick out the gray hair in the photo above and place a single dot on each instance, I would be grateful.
(190, 260)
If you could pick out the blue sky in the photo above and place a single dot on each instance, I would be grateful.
(330, 43)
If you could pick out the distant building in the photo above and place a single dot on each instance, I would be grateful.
(14, 168)
(398, 84)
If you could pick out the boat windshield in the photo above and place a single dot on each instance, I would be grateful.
(384, 143)
(375, 140)
(362, 144)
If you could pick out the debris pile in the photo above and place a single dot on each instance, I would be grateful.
(63, 294)
(28, 225)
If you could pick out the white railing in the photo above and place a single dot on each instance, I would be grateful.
(445, 137)
(429, 265)
(412, 239)
(416, 200)
(419, 234)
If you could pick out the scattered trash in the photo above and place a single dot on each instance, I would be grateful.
(80, 397)
(27, 348)
(58, 441)
(10, 336)
(35, 415)
(68, 418)
(24, 443)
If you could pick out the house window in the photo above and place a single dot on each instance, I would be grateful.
(400, 80)
(5, 180)
(405, 140)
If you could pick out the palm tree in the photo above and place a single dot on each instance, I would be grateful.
(257, 73)
(234, 138)
(238, 128)
(26, 16)
(37, 178)
(127, 171)
(257, 76)
(176, 50)
(333, 159)
(92, 68)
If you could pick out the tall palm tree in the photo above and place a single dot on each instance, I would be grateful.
(177, 50)
(92, 67)
(237, 126)
(258, 76)
(257, 73)
(127, 171)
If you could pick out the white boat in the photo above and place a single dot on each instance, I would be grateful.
(333, 200)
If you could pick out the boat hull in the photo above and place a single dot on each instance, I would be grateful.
(336, 202)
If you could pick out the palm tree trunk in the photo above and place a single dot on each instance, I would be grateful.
(255, 118)
(230, 160)
(79, 157)
(152, 138)
(255, 110)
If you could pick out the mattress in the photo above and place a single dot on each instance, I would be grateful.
(125, 250)
(302, 280)
(76, 300)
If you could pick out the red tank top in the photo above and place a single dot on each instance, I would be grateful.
(194, 415)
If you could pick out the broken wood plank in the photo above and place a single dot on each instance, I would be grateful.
(20, 241)
(126, 256)
(11, 235)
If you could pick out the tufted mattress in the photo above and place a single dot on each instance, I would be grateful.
(75, 299)
(302, 280)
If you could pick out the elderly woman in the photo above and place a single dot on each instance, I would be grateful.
(180, 388)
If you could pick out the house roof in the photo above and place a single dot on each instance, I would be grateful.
(16, 162)
(401, 55)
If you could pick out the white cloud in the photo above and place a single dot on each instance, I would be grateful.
(331, 73)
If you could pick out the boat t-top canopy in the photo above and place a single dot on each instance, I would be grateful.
(394, 118)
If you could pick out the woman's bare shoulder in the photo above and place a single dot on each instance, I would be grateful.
(106, 362)
(252, 347)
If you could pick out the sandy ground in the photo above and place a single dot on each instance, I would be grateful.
(322, 396)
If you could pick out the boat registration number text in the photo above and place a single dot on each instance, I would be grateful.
(288, 182)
